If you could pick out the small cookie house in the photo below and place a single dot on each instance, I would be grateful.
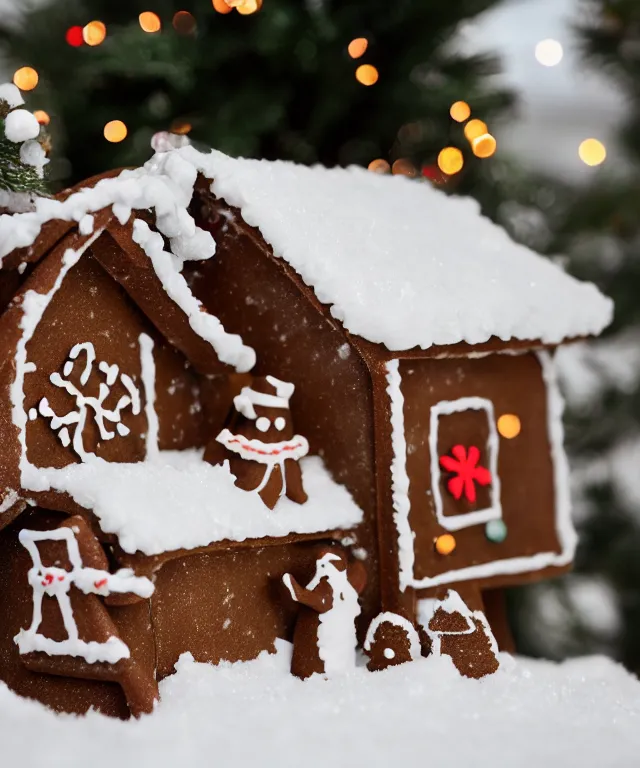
(217, 373)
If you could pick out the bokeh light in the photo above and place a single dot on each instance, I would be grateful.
(26, 78)
(367, 74)
(94, 33)
(42, 117)
(509, 425)
(475, 128)
(221, 6)
(592, 152)
(484, 145)
(460, 111)
(450, 160)
(379, 166)
(404, 167)
(74, 36)
(248, 7)
(149, 21)
(549, 52)
(357, 47)
(184, 23)
(115, 131)
(180, 126)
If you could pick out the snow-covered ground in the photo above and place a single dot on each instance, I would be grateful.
(530, 714)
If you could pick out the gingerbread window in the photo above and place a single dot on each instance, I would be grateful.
(463, 448)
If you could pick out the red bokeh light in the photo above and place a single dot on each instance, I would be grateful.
(74, 36)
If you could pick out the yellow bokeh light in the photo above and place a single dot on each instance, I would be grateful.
(509, 425)
(42, 117)
(26, 78)
(460, 111)
(484, 146)
(221, 6)
(475, 128)
(94, 33)
(149, 21)
(379, 166)
(445, 544)
(357, 47)
(549, 52)
(367, 74)
(115, 131)
(450, 160)
(248, 7)
(592, 152)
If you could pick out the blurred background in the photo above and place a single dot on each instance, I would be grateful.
(531, 106)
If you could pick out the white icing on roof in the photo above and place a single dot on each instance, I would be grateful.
(400, 262)
(178, 501)
(164, 184)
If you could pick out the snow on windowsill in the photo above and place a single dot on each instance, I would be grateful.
(178, 501)
(529, 714)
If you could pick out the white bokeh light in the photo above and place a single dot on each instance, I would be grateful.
(549, 52)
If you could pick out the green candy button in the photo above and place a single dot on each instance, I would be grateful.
(496, 531)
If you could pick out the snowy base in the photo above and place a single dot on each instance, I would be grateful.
(531, 713)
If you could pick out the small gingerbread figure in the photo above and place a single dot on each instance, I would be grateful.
(260, 445)
(324, 639)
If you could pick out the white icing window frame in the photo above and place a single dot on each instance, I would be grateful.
(478, 516)
(565, 531)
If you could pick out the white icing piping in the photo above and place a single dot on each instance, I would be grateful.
(399, 476)
(244, 402)
(165, 184)
(567, 536)
(228, 347)
(398, 621)
(33, 307)
(148, 376)
(57, 582)
(493, 512)
(9, 500)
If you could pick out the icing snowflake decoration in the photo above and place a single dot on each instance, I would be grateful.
(466, 472)
(102, 416)
(56, 582)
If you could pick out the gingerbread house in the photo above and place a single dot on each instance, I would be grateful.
(218, 373)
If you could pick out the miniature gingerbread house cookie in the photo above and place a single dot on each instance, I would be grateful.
(215, 371)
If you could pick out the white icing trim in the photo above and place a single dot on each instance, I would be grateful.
(56, 583)
(148, 376)
(399, 476)
(244, 402)
(493, 512)
(398, 621)
(567, 536)
(9, 500)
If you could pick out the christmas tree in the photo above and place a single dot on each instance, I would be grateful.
(597, 609)
(327, 82)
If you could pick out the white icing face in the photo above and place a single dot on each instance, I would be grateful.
(263, 423)
(280, 423)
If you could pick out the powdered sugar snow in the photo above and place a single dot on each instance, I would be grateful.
(529, 714)
(400, 262)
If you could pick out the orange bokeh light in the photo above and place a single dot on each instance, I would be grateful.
(115, 131)
(367, 74)
(149, 21)
(26, 78)
(357, 47)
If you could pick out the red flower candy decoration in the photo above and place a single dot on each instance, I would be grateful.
(466, 472)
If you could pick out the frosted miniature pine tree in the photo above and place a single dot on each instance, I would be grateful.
(22, 156)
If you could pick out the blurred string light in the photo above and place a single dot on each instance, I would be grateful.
(74, 36)
(221, 6)
(149, 21)
(181, 127)
(475, 128)
(358, 47)
(115, 131)
(379, 166)
(26, 78)
(592, 152)
(404, 167)
(484, 145)
(184, 23)
(549, 52)
(244, 7)
(42, 117)
(94, 33)
(460, 111)
(450, 160)
(367, 74)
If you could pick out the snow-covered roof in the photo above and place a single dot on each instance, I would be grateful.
(178, 501)
(400, 262)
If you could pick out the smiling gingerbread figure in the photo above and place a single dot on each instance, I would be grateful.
(260, 444)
